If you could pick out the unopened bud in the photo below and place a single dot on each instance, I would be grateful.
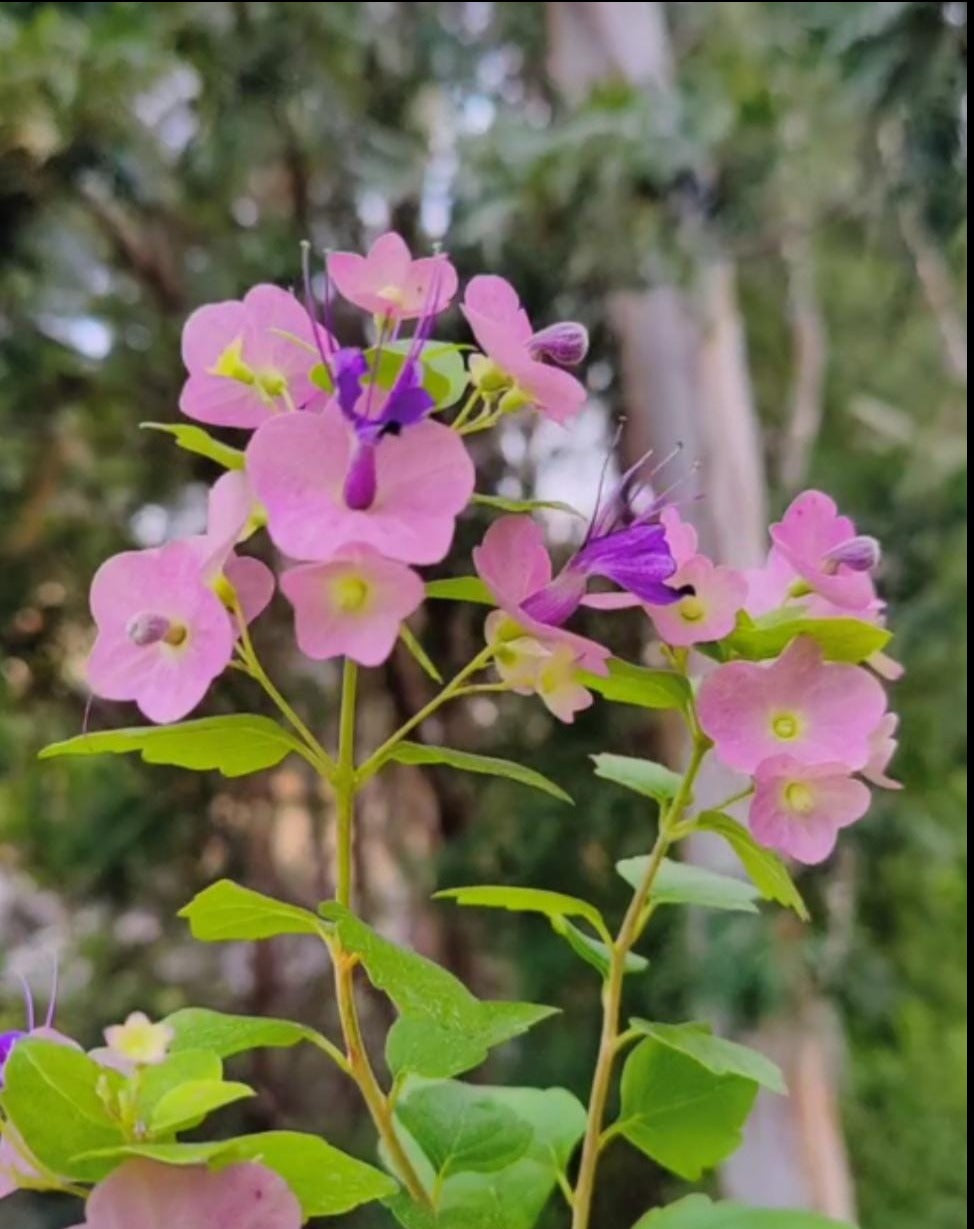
(861, 554)
(564, 343)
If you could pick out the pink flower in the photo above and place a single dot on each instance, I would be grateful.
(298, 464)
(799, 808)
(530, 668)
(248, 360)
(352, 605)
(388, 282)
(817, 712)
(681, 537)
(232, 515)
(144, 1194)
(882, 748)
(163, 634)
(826, 552)
(513, 563)
(503, 331)
(709, 612)
(769, 587)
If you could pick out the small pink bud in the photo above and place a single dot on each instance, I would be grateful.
(861, 554)
(564, 343)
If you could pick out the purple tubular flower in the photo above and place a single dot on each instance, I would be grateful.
(625, 543)
(406, 403)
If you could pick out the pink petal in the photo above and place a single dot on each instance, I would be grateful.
(144, 1194)
(275, 318)
(208, 332)
(429, 287)
(512, 560)
(810, 528)
(555, 393)
(719, 590)
(768, 587)
(681, 537)
(323, 630)
(222, 402)
(611, 601)
(389, 260)
(494, 300)
(253, 583)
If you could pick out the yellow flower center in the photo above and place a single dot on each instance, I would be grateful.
(271, 383)
(176, 635)
(785, 726)
(692, 610)
(799, 797)
(231, 364)
(392, 294)
(350, 593)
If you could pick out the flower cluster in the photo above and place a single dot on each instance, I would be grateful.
(357, 466)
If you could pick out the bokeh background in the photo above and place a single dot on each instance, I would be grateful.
(759, 211)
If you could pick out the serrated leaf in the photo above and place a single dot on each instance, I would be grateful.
(678, 1112)
(766, 870)
(196, 440)
(644, 777)
(462, 1128)
(325, 1181)
(700, 1212)
(678, 883)
(197, 1028)
(639, 686)
(526, 900)
(593, 951)
(443, 1029)
(226, 911)
(842, 639)
(503, 504)
(460, 589)
(51, 1096)
(722, 1057)
(235, 745)
(486, 765)
(188, 1104)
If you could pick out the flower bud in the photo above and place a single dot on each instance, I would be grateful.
(860, 554)
(564, 343)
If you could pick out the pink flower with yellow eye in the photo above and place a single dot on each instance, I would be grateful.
(143, 1194)
(824, 549)
(798, 809)
(529, 667)
(352, 605)
(517, 367)
(708, 612)
(249, 359)
(388, 282)
(815, 711)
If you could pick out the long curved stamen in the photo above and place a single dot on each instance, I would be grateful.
(311, 307)
(52, 1001)
(28, 1002)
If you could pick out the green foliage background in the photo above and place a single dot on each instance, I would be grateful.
(157, 156)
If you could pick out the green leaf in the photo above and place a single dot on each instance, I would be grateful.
(234, 745)
(51, 1096)
(443, 1030)
(195, 439)
(593, 951)
(722, 1057)
(324, 1180)
(158, 1081)
(461, 1127)
(419, 654)
(444, 372)
(514, 1197)
(460, 589)
(842, 639)
(678, 883)
(487, 765)
(678, 1112)
(196, 1028)
(642, 776)
(527, 900)
(189, 1104)
(226, 911)
(766, 870)
(636, 685)
(503, 504)
(700, 1212)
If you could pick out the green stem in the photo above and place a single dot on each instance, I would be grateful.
(454, 688)
(345, 785)
(632, 927)
(738, 797)
(466, 410)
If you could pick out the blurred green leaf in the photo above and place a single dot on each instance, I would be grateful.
(462, 1128)
(641, 776)
(700, 1212)
(766, 870)
(196, 440)
(226, 911)
(197, 1028)
(526, 900)
(678, 883)
(638, 686)
(188, 1104)
(467, 761)
(460, 589)
(841, 639)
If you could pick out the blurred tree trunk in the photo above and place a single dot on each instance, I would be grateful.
(685, 381)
